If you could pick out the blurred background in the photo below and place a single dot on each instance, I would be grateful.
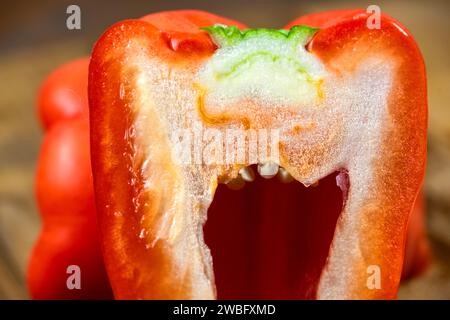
(34, 40)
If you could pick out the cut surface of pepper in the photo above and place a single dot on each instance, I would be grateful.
(183, 102)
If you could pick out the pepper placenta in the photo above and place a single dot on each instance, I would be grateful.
(65, 195)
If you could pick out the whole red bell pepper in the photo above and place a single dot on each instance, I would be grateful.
(350, 106)
(64, 192)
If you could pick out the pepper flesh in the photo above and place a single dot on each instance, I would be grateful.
(151, 229)
(418, 255)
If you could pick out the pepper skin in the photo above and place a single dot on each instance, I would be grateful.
(62, 95)
(64, 192)
(361, 126)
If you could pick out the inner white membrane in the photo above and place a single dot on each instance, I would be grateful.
(317, 136)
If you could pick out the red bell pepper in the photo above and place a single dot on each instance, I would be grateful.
(64, 192)
(350, 106)
(62, 95)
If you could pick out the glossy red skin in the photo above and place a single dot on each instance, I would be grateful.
(63, 94)
(64, 180)
(327, 44)
(64, 193)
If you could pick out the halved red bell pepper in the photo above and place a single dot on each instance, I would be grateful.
(350, 106)
(65, 195)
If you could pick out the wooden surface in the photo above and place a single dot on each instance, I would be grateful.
(33, 41)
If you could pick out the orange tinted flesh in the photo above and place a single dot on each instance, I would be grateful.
(139, 272)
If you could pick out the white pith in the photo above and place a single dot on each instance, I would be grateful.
(341, 130)
(291, 75)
